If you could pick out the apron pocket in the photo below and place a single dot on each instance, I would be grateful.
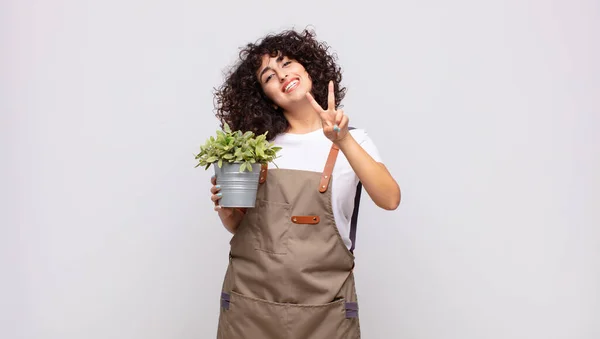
(331, 321)
(254, 318)
(272, 226)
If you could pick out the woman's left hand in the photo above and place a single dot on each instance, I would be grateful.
(335, 122)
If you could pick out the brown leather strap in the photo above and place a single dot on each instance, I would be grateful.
(306, 219)
(263, 173)
(326, 176)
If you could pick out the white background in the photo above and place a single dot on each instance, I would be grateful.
(486, 112)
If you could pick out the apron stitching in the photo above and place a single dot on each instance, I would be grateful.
(270, 252)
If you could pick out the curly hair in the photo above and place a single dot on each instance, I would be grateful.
(240, 100)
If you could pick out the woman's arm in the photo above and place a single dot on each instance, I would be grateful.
(375, 178)
(230, 217)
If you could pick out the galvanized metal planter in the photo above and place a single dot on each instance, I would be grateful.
(238, 188)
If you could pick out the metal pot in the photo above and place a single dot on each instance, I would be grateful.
(238, 188)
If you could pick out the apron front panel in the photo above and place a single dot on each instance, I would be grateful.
(290, 273)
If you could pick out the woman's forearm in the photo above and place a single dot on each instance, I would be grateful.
(375, 178)
(231, 219)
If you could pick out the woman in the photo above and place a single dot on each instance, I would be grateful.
(291, 259)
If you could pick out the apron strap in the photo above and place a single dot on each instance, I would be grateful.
(354, 220)
(263, 173)
(324, 184)
(326, 176)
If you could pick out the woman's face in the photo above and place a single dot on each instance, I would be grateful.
(284, 81)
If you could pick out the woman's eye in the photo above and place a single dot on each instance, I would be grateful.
(286, 63)
(268, 78)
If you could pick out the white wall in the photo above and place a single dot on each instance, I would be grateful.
(486, 113)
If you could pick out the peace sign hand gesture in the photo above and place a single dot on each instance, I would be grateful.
(335, 122)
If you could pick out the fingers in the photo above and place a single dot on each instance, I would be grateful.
(340, 129)
(331, 98)
(215, 198)
(216, 195)
(338, 120)
(314, 103)
(344, 123)
(338, 117)
(322, 114)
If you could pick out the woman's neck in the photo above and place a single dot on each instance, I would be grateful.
(303, 120)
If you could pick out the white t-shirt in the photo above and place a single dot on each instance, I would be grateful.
(309, 152)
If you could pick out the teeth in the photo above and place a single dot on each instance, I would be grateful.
(290, 85)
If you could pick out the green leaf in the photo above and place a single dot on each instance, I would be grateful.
(236, 147)
(260, 150)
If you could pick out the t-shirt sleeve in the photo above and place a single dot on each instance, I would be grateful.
(367, 143)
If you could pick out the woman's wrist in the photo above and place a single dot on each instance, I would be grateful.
(345, 141)
(231, 218)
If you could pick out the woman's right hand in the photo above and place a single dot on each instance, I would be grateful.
(231, 217)
(224, 212)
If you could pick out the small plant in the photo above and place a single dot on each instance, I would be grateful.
(236, 147)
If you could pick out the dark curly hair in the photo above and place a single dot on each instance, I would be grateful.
(240, 100)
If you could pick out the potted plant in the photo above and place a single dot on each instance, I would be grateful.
(237, 158)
